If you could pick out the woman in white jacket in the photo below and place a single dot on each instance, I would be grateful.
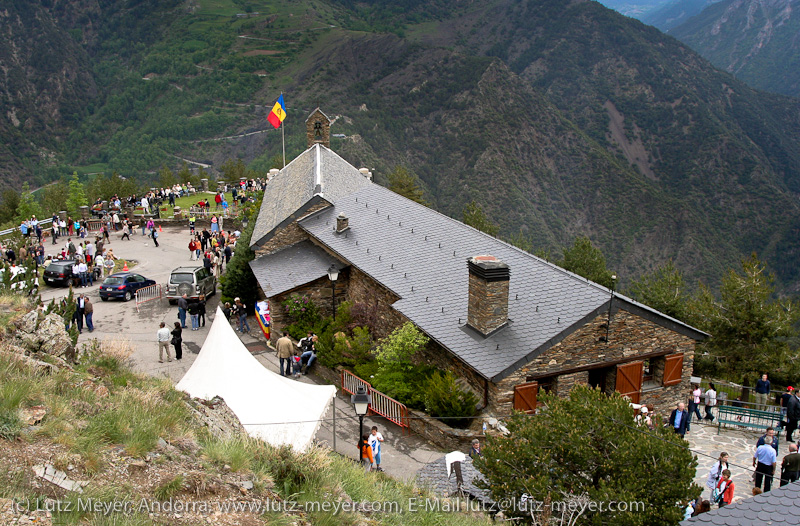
(716, 471)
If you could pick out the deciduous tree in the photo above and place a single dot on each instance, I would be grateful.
(586, 445)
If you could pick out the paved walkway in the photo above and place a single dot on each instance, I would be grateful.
(740, 445)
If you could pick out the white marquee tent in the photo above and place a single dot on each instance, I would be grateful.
(276, 409)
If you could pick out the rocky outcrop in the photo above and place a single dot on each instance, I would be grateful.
(43, 334)
(215, 415)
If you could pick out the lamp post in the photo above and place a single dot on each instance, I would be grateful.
(244, 222)
(333, 275)
(361, 401)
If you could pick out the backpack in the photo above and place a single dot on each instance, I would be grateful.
(155, 233)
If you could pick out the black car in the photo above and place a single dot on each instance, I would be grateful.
(123, 285)
(59, 273)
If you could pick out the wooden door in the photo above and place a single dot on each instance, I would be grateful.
(525, 397)
(629, 380)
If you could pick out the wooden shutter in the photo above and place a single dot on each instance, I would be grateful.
(673, 369)
(629, 380)
(525, 397)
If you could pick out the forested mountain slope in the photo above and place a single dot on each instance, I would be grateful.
(561, 118)
(757, 41)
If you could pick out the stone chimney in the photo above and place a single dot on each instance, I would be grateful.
(487, 310)
(342, 223)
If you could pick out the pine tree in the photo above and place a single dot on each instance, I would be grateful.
(586, 446)
(77, 196)
(585, 260)
(475, 217)
(403, 182)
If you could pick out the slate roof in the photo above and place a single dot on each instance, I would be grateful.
(781, 506)
(421, 255)
(318, 173)
(434, 477)
(291, 267)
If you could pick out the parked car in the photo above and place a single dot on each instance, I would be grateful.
(192, 281)
(123, 285)
(59, 273)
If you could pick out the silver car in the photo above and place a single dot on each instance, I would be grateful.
(192, 281)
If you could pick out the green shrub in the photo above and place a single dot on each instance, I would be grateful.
(169, 489)
(445, 400)
(10, 424)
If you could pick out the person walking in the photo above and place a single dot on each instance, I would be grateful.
(285, 350)
(191, 249)
(163, 338)
(694, 404)
(241, 312)
(88, 312)
(365, 452)
(716, 471)
(724, 490)
(77, 317)
(679, 419)
(201, 304)
(765, 460)
(711, 401)
(762, 392)
(176, 341)
(126, 231)
(154, 235)
(183, 306)
(375, 439)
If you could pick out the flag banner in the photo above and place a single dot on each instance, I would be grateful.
(278, 113)
(262, 315)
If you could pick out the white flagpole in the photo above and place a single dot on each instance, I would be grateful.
(283, 137)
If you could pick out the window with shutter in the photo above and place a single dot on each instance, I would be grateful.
(629, 380)
(525, 397)
(673, 369)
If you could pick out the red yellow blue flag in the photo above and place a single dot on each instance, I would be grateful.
(278, 113)
(262, 315)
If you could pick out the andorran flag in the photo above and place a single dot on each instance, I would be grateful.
(278, 113)
(262, 315)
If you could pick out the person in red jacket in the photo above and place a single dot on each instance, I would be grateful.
(725, 489)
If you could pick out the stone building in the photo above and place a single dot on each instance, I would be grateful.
(506, 322)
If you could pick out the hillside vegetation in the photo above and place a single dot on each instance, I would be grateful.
(755, 41)
(559, 118)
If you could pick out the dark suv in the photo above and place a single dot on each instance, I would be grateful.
(192, 281)
(59, 273)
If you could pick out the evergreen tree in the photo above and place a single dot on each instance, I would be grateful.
(403, 182)
(586, 447)
(54, 197)
(664, 290)
(166, 178)
(239, 280)
(77, 196)
(749, 328)
(475, 217)
(585, 260)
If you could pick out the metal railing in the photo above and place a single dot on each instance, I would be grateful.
(147, 294)
(42, 223)
(382, 405)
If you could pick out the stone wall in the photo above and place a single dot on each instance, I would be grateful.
(364, 289)
(630, 338)
(319, 291)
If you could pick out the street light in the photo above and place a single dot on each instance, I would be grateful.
(360, 401)
(333, 275)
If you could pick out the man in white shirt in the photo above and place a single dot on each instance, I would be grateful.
(80, 271)
(163, 336)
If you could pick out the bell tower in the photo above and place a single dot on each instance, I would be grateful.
(318, 129)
